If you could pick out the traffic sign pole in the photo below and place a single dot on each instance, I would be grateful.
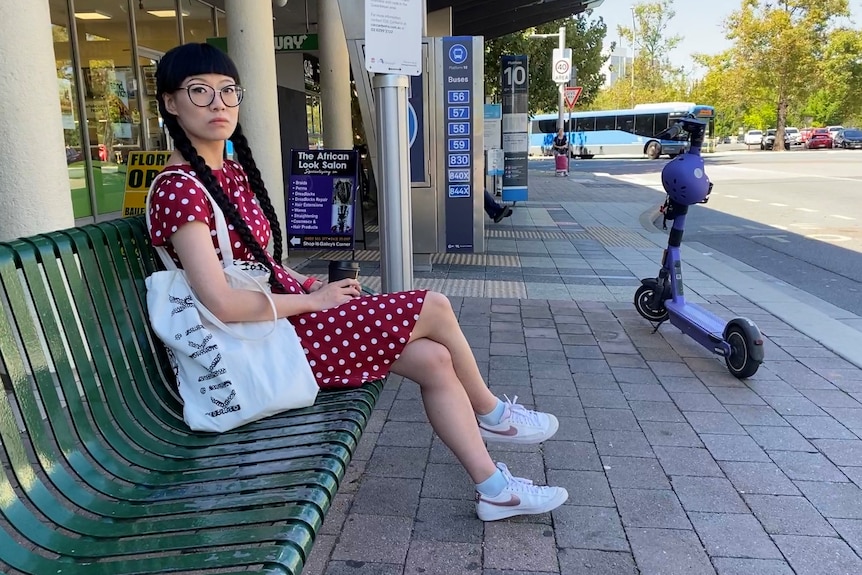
(560, 86)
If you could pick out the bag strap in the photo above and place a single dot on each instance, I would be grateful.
(211, 317)
(226, 253)
(222, 234)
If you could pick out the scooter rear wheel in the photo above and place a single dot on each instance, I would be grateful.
(743, 360)
(643, 300)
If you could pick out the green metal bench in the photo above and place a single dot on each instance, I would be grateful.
(100, 474)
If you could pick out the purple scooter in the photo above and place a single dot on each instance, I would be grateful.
(658, 299)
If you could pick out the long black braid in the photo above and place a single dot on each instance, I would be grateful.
(246, 160)
(205, 175)
(200, 58)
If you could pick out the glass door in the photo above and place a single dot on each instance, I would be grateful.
(154, 134)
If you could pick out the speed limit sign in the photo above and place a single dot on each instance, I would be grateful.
(561, 65)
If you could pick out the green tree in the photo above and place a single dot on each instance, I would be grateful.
(778, 46)
(656, 79)
(583, 35)
(653, 78)
(837, 98)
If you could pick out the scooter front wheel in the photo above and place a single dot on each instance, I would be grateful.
(643, 304)
(746, 349)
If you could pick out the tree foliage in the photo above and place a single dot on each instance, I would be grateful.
(653, 78)
(790, 64)
(583, 35)
(777, 44)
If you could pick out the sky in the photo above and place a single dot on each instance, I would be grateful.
(699, 22)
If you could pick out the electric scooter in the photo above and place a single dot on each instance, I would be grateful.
(662, 298)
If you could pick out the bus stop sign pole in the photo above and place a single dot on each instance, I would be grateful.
(393, 51)
(396, 233)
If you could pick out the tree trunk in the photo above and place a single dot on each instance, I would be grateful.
(778, 142)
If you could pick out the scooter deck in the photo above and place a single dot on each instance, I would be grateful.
(696, 322)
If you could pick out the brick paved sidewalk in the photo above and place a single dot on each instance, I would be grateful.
(672, 465)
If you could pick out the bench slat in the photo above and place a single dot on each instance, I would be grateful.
(106, 478)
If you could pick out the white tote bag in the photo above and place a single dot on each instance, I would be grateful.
(227, 374)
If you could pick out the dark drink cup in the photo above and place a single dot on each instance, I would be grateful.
(339, 270)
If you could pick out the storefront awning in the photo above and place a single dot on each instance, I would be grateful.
(494, 18)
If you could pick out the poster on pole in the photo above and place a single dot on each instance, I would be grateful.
(321, 200)
(393, 36)
(514, 78)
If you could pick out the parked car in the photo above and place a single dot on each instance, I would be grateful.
(819, 138)
(834, 130)
(753, 137)
(849, 138)
(768, 140)
(793, 135)
(804, 134)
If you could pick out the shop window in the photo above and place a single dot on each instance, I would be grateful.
(70, 117)
(112, 116)
(198, 22)
(156, 24)
(314, 123)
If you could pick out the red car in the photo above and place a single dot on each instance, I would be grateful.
(819, 138)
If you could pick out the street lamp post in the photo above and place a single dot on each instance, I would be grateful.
(561, 36)
(634, 39)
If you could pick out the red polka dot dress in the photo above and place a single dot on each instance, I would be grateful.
(346, 345)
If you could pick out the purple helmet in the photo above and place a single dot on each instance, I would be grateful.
(684, 180)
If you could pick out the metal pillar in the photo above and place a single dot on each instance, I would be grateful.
(396, 233)
(560, 87)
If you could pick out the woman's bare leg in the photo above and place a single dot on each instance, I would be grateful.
(447, 404)
(437, 322)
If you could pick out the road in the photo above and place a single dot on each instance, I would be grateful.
(795, 215)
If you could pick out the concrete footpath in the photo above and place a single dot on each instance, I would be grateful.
(672, 465)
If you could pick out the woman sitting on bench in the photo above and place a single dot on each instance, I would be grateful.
(348, 338)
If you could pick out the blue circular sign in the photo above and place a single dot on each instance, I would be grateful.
(458, 53)
(412, 123)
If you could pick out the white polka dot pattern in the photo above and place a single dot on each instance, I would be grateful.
(332, 339)
(369, 345)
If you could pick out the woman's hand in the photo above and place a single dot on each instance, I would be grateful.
(336, 293)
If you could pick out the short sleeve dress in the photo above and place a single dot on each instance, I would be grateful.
(346, 345)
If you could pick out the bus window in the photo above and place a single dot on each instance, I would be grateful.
(626, 124)
(548, 126)
(605, 123)
(661, 123)
(534, 127)
(586, 124)
(644, 124)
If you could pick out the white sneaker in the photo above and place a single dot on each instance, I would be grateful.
(520, 425)
(520, 497)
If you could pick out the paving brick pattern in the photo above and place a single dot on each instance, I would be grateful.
(672, 465)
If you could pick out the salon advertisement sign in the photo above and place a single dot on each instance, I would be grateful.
(321, 199)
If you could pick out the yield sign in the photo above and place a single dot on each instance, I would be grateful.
(572, 94)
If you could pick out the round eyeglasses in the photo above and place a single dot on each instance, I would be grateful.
(203, 95)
